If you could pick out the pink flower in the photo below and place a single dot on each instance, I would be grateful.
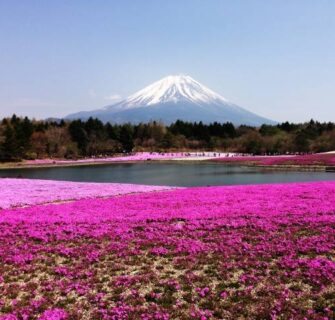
(54, 314)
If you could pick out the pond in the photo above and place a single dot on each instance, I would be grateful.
(168, 173)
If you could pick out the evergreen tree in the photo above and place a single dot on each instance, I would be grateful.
(126, 138)
(79, 135)
(23, 132)
(9, 149)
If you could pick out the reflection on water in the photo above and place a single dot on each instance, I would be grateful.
(178, 174)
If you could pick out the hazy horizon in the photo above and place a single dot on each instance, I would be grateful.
(276, 59)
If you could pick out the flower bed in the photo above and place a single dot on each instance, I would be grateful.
(251, 252)
(300, 160)
(139, 156)
(23, 192)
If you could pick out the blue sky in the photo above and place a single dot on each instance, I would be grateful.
(275, 58)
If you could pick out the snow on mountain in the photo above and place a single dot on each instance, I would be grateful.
(173, 89)
(172, 98)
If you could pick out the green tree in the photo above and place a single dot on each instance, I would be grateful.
(23, 132)
(126, 138)
(79, 135)
(301, 142)
(9, 149)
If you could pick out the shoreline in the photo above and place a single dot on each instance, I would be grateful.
(20, 165)
(208, 160)
(302, 162)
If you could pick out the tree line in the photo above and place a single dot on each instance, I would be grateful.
(23, 138)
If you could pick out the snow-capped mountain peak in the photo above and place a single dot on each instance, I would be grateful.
(174, 88)
(177, 97)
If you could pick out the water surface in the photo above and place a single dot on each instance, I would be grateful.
(175, 173)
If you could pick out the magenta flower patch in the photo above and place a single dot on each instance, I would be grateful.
(251, 252)
(24, 192)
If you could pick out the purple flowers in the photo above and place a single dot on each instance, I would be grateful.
(261, 251)
(54, 314)
(319, 159)
(202, 292)
(23, 192)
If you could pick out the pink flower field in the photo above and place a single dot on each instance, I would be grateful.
(139, 156)
(136, 157)
(239, 252)
(320, 159)
(23, 192)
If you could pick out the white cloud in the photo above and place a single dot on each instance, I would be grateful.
(113, 97)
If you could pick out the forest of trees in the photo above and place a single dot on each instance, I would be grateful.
(22, 138)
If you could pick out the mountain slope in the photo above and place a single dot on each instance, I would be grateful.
(172, 98)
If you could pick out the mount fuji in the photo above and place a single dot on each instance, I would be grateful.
(174, 98)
